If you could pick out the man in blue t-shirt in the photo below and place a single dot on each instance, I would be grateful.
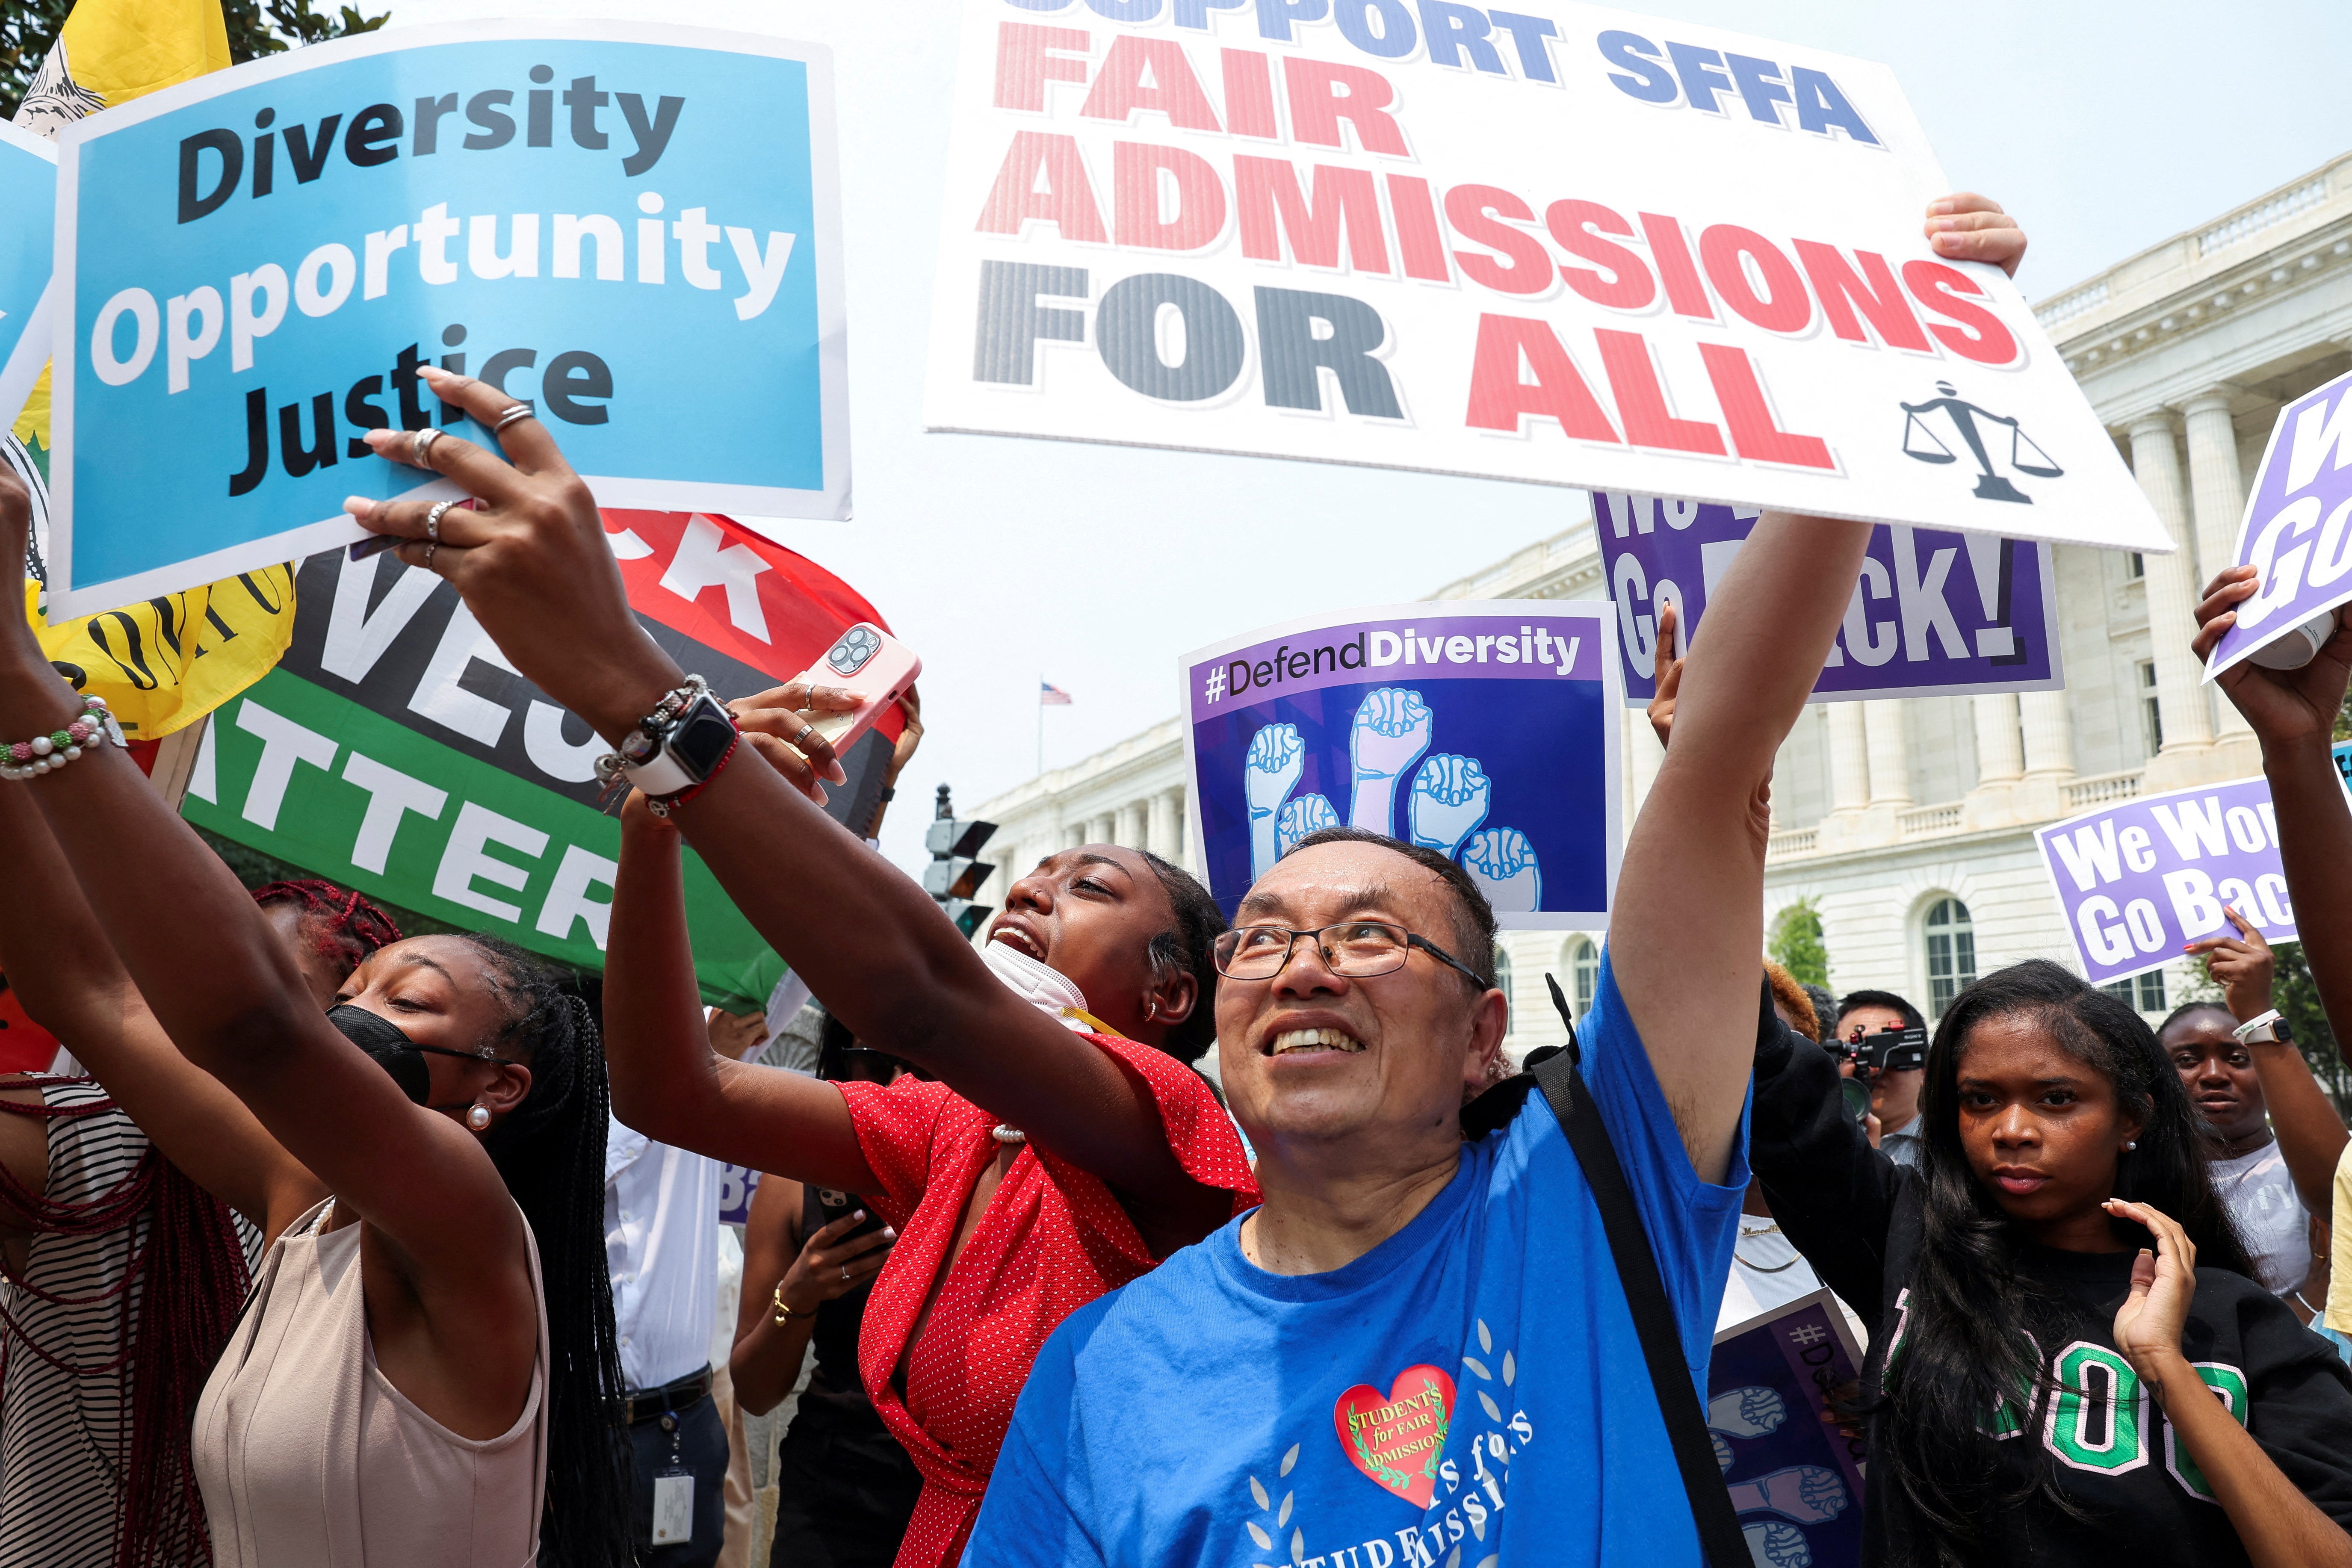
(1417, 1354)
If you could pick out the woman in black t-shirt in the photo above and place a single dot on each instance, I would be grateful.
(2054, 1291)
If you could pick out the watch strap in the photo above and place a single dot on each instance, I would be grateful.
(2261, 1029)
(664, 772)
(663, 775)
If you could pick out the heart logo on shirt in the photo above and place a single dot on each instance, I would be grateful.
(1396, 1439)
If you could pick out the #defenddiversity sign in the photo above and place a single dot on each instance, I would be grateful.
(1556, 243)
(395, 750)
(1484, 730)
(633, 228)
(1795, 1480)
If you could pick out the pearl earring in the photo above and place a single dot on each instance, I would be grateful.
(478, 1117)
(2130, 1144)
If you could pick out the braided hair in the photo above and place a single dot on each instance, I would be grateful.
(344, 925)
(550, 1151)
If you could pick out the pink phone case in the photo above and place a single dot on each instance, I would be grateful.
(869, 660)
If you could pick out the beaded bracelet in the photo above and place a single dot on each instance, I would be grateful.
(46, 753)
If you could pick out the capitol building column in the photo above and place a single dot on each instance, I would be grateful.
(1163, 830)
(2048, 730)
(2000, 761)
(2171, 596)
(2219, 491)
(1849, 760)
(1886, 731)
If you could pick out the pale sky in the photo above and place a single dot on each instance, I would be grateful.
(2105, 127)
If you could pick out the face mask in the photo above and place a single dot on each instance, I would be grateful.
(392, 1050)
(1041, 985)
(400, 1056)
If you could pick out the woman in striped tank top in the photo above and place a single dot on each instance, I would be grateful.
(132, 1205)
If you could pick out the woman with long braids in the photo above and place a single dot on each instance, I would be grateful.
(2070, 1361)
(132, 1208)
(422, 1375)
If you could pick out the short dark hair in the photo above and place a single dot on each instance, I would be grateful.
(1188, 946)
(2202, 1005)
(1473, 917)
(1853, 999)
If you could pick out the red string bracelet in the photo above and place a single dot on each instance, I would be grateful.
(662, 806)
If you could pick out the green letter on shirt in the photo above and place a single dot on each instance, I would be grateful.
(2093, 1381)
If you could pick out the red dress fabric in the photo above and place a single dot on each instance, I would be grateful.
(1053, 1239)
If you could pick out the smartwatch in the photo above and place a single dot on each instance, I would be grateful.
(2269, 1028)
(683, 752)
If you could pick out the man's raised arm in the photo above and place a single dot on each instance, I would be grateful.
(1686, 936)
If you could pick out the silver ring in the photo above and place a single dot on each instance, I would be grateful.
(430, 546)
(422, 445)
(807, 731)
(519, 411)
(432, 519)
(844, 1274)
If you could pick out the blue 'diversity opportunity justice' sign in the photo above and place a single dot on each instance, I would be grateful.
(635, 227)
(28, 194)
(1486, 729)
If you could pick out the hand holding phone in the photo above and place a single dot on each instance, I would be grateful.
(874, 664)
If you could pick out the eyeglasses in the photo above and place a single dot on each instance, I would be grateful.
(1357, 950)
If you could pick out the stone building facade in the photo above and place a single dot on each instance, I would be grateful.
(1910, 825)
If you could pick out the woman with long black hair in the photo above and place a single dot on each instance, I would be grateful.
(2070, 1361)
(423, 1374)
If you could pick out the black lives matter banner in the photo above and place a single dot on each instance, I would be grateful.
(395, 751)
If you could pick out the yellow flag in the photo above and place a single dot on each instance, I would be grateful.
(31, 426)
(163, 664)
(122, 49)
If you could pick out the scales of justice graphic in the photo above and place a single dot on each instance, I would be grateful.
(1961, 420)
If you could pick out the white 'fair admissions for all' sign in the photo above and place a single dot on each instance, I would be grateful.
(1558, 243)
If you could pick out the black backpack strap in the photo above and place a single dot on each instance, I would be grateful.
(1645, 1293)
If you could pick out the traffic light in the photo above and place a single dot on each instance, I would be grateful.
(956, 871)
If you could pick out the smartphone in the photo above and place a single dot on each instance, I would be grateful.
(864, 658)
(833, 1204)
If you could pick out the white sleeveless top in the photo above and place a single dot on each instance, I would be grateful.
(307, 1454)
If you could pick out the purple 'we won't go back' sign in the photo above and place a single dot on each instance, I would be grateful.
(2297, 532)
(2141, 877)
(1933, 614)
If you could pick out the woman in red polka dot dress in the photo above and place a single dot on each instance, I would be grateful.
(1060, 1146)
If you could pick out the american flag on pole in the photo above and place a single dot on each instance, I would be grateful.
(1051, 696)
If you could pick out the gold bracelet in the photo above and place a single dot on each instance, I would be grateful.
(783, 1312)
